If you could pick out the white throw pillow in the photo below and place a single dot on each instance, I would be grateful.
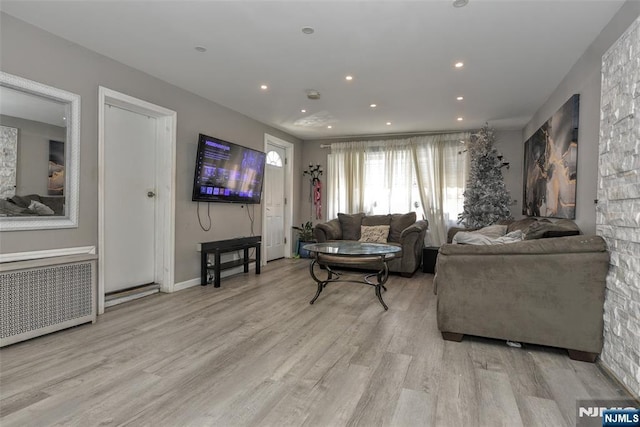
(474, 238)
(374, 233)
(40, 208)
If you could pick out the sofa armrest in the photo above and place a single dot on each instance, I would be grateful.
(417, 227)
(330, 230)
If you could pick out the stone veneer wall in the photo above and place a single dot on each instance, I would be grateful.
(618, 213)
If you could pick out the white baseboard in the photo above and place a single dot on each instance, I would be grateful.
(49, 253)
(186, 284)
(225, 273)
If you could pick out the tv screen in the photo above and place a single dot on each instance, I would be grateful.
(227, 172)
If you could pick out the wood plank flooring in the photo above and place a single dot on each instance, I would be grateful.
(255, 353)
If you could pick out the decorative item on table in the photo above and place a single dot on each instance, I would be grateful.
(315, 187)
(305, 235)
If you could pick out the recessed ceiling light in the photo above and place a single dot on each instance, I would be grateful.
(303, 111)
(349, 78)
(64, 118)
(460, 98)
(460, 3)
(459, 119)
(308, 30)
(459, 64)
(200, 48)
(329, 127)
(264, 87)
(373, 105)
(388, 123)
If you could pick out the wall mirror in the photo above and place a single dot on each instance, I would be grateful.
(39, 154)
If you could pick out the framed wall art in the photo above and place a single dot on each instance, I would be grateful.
(551, 165)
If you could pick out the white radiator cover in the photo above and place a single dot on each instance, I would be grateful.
(45, 295)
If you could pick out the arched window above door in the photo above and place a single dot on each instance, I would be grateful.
(274, 159)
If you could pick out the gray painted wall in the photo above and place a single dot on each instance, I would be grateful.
(29, 52)
(584, 79)
(33, 153)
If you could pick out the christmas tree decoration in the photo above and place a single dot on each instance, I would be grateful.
(486, 199)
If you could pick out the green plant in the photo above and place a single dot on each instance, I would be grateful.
(305, 232)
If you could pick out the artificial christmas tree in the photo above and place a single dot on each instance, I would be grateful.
(486, 199)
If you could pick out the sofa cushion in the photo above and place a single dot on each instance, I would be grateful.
(561, 228)
(374, 233)
(398, 223)
(350, 224)
(376, 220)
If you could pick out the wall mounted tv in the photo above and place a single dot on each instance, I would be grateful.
(227, 172)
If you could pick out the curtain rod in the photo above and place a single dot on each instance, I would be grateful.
(387, 135)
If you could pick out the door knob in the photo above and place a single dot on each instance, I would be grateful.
(151, 194)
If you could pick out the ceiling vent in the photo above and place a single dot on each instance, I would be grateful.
(313, 94)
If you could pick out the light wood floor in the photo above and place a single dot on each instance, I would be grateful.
(254, 352)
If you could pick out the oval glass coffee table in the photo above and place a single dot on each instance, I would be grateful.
(373, 256)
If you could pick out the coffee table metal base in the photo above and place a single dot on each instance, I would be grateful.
(381, 277)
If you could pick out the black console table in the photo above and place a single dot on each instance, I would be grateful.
(221, 246)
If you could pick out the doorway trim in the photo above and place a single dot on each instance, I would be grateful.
(165, 184)
(288, 195)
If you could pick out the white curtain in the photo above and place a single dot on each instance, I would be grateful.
(441, 166)
(423, 174)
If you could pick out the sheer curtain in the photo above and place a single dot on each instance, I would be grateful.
(441, 168)
(424, 174)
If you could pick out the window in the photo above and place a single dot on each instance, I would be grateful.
(274, 159)
(425, 175)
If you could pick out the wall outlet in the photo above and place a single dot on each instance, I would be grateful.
(198, 247)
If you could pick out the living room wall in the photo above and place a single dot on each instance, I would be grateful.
(507, 143)
(584, 79)
(32, 53)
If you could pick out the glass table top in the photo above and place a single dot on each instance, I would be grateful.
(352, 248)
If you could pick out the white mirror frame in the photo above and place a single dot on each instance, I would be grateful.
(72, 157)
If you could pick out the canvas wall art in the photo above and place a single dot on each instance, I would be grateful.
(551, 164)
(55, 186)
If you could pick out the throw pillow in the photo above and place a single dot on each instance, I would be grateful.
(546, 229)
(493, 231)
(40, 209)
(475, 238)
(374, 233)
(398, 223)
(350, 224)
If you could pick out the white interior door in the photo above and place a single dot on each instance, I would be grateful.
(129, 199)
(275, 202)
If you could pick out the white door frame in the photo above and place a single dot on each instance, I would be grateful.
(165, 185)
(288, 193)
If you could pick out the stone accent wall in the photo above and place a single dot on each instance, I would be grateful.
(618, 212)
(8, 161)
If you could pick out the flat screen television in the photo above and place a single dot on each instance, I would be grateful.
(227, 172)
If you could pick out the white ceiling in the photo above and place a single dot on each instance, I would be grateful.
(400, 54)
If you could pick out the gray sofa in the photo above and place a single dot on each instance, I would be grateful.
(404, 231)
(547, 291)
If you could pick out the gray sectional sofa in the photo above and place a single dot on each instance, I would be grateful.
(547, 291)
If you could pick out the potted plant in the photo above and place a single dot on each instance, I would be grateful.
(305, 235)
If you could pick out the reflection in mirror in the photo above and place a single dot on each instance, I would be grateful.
(39, 130)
